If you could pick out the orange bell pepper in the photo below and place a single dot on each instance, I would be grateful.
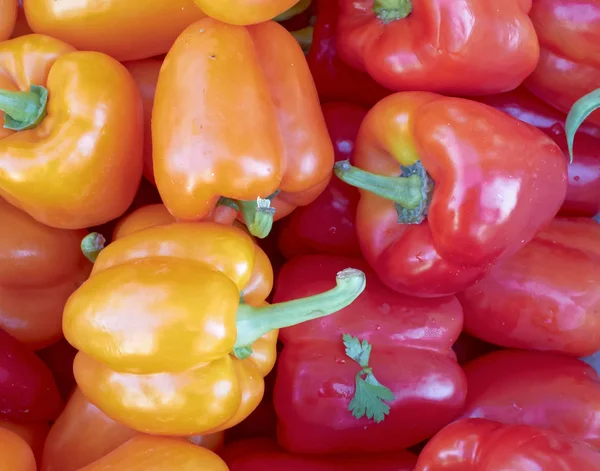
(165, 345)
(34, 434)
(8, 17)
(244, 12)
(125, 30)
(147, 453)
(15, 453)
(236, 115)
(39, 269)
(71, 146)
(142, 218)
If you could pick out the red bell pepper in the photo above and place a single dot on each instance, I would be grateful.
(485, 183)
(546, 296)
(264, 455)
(484, 445)
(28, 392)
(471, 47)
(569, 65)
(327, 224)
(338, 387)
(543, 390)
(334, 79)
(583, 191)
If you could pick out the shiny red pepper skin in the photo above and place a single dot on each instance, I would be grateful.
(544, 297)
(569, 65)
(327, 224)
(539, 389)
(264, 455)
(28, 392)
(315, 379)
(483, 445)
(583, 191)
(334, 79)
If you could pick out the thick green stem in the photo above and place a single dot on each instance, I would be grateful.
(92, 245)
(223, 201)
(392, 10)
(254, 322)
(258, 216)
(304, 37)
(300, 7)
(23, 110)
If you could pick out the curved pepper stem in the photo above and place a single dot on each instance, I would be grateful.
(258, 216)
(300, 7)
(91, 245)
(254, 322)
(24, 110)
(392, 10)
(411, 191)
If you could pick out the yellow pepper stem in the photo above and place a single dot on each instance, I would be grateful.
(258, 216)
(92, 245)
(23, 110)
(254, 322)
(392, 10)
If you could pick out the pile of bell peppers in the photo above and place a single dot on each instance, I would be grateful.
(314, 235)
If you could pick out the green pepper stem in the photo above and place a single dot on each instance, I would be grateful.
(223, 201)
(392, 10)
(92, 244)
(254, 322)
(23, 110)
(304, 37)
(299, 7)
(258, 216)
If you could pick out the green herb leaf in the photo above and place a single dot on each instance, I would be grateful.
(369, 393)
(579, 112)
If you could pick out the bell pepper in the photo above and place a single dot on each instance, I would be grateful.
(148, 453)
(544, 297)
(569, 68)
(472, 47)
(243, 12)
(124, 30)
(327, 224)
(39, 269)
(338, 388)
(256, 77)
(448, 187)
(28, 392)
(59, 358)
(70, 149)
(583, 191)
(264, 455)
(15, 453)
(334, 79)
(482, 445)
(8, 18)
(34, 434)
(543, 390)
(83, 434)
(159, 316)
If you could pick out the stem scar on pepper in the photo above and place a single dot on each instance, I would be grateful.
(92, 244)
(392, 10)
(254, 322)
(24, 110)
(578, 113)
(258, 215)
(411, 191)
(369, 393)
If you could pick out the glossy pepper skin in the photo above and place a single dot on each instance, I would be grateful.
(315, 379)
(334, 79)
(99, 128)
(257, 78)
(583, 192)
(327, 224)
(8, 18)
(544, 297)
(472, 47)
(263, 454)
(123, 30)
(15, 453)
(39, 269)
(486, 190)
(148, 453)
(569, 67)
(34, 434)
(180, 286)
(484, 445)
(244, 12)
(543, 390)
(28, 392)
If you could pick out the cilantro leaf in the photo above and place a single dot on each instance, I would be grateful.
(369, 393)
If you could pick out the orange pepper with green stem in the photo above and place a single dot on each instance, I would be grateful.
(236, 115)
(173, 332)
(71, 146)
(8, 17)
